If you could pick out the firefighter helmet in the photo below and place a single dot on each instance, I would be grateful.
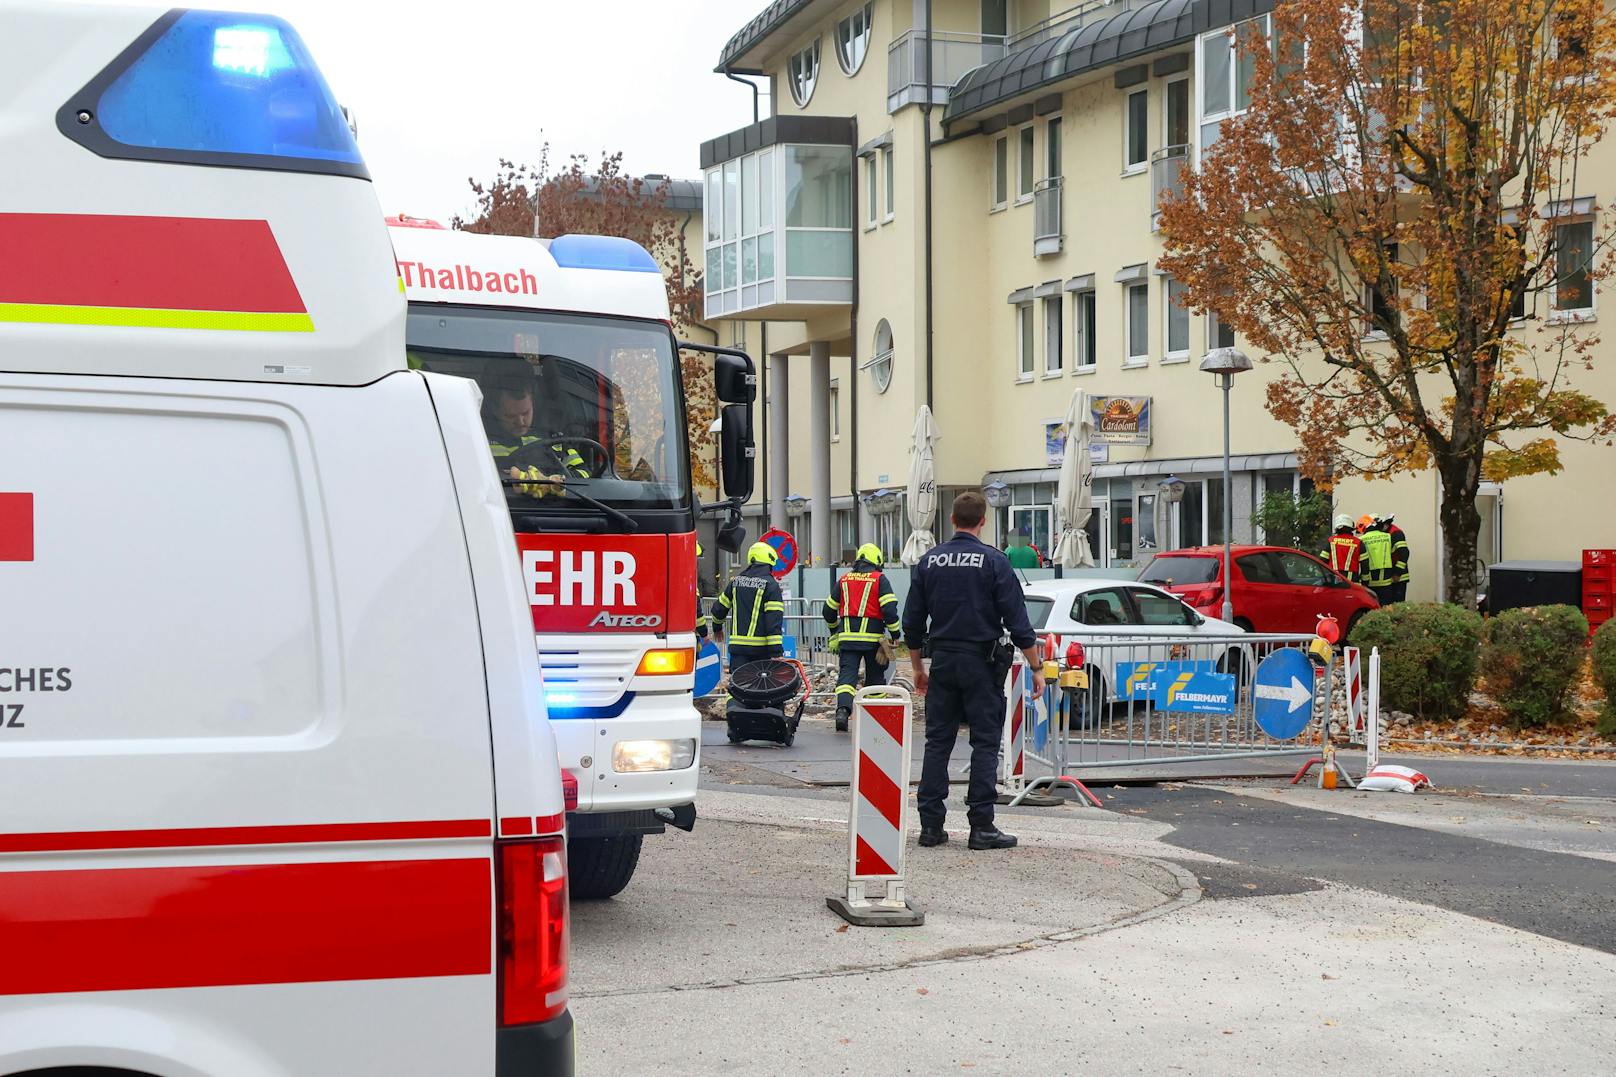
(762, 553)
(1343, 521)
(1365, 522)
(872, 553)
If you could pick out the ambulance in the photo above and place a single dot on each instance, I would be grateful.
(280, 795)
(570, 343)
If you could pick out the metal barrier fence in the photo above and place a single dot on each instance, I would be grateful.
(1164, 701)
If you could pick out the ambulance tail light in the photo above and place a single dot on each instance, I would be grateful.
(677, 661)
(533, 930)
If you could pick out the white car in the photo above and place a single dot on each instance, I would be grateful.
(1127, 621)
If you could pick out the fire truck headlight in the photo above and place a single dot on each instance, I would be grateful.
(641, 756)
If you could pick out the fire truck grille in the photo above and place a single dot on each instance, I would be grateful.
(593, 677)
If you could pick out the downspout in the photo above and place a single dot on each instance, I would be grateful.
(763, 398)
(750, 85)
(925, 117)
(853, 369)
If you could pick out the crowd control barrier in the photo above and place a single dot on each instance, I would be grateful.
(878, 815)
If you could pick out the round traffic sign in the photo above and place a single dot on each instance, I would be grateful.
(707, 668)
(1283, 693)
(784, 545)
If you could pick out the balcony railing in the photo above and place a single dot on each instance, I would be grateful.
(952, 54)
(1046, 217)
(1166, 177)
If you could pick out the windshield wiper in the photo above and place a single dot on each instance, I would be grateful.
(628, 522)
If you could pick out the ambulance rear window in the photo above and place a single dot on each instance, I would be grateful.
(215, 88)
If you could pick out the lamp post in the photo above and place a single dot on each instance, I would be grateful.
(1226, 363)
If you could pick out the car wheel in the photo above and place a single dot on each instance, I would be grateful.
(600, 867)
(1234, 661)
(1244, 625)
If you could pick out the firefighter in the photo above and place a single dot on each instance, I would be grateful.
(1345, 550)
(753, 610)
(508, 421)
(1397, 587)
(856, 610)
(1377, 561)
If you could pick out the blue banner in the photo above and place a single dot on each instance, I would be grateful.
(1195, 687)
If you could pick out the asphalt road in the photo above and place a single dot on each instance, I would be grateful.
(1554, 894)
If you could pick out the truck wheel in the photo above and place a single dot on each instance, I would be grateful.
(601, 867)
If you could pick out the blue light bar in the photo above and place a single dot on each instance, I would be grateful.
(602, 252)
(215, 87)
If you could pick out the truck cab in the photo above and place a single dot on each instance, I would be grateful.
(282, 795)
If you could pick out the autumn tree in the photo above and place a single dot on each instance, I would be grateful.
(1400, 219)
(599, 199)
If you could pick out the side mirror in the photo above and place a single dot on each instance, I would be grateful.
(732, 534)
(733, 379)
(736, 451)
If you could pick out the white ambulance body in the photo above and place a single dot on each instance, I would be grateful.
(571, 343)
(280, 794)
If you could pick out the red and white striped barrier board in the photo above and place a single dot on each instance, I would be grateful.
(1013, 758)
(1355, 696)
(878, 818)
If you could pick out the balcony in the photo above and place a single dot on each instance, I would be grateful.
(952, 54)
(1046, 217)
(1166, 177)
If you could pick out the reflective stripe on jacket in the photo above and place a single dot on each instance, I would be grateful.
(753, 609)
(1345, 554)
(862, 606)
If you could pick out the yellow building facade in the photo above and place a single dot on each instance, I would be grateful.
(971, 226)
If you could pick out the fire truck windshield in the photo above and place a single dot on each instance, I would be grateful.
(572, 403)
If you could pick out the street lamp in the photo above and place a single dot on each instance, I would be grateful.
(1226, 363)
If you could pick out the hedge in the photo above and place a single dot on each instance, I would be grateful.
(1604, 659)
(1531, 658)
(1428, 654)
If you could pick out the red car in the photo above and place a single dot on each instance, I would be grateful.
(1276, 589)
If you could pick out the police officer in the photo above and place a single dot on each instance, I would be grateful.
(753, 610)
(968, 593)
(856, 610)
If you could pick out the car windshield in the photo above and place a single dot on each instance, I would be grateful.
(1038, 608)
(1168, 571)
(571, 403)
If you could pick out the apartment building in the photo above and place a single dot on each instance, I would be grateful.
(971, 225)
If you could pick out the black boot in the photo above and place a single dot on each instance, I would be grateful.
(991, 837)
(842, 715)
(933, 835)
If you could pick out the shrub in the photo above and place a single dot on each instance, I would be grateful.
(1604, 659)
(1302, 522)
(1531, 658)
(1428, 656)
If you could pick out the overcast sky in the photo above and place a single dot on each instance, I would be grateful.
(441, 91)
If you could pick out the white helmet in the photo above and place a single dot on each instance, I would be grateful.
(1342, 520)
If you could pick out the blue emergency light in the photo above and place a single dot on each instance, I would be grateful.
(222, 88)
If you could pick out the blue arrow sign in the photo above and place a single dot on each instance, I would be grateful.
(708, 668)
(1283, 693)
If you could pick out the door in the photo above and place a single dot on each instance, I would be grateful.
(1313, 590)
(1119, 541)
(1259, 595)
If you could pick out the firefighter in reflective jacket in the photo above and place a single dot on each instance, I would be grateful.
(860, 610)
(1397, 585)
(508, 420)
(1345, 551)
(752, 610)
(1377, 562)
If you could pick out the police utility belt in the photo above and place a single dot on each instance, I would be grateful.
(999, 654)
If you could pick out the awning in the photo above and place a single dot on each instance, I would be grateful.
(1203, 465)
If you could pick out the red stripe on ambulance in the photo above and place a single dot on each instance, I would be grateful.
(194, 837)
(115, 929)
(166, 263)
(16, 527)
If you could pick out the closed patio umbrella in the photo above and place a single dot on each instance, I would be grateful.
(922, 505)
(1074, 490)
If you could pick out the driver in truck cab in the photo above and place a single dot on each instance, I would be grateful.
(508, 419)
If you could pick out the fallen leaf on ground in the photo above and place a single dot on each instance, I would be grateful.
(921, 991)
(840, 931)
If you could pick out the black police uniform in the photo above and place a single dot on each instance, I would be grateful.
(970, 594)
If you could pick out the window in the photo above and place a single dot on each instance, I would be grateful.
(1573, 268)
(1024, 342)
(1038, 607)
(886, 168)
(1024, 164)
(835, 410)
(1001, 172)
(1157, 610)
(853, 40)
(1145, 526)
(880, 364)
(1381, 303)
(1218, 335)
(1226, 75)
(1259, 568)
(1053, 349)
(1085, 353)
(1300, 571)
(1136, 121)
(802, 71)
(1136, 299)
(1176, 130)
(819, 185)
(1100, 608)
(1177, 318)
(871, 188)
(996, 18)
(1052, 148)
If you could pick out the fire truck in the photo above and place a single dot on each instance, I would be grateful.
(571, 346)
